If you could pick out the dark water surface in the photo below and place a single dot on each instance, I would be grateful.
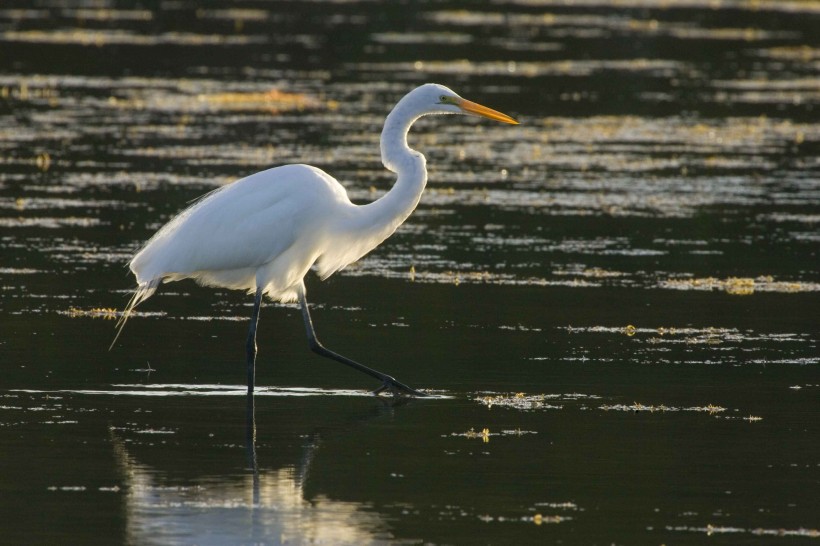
(617, 300)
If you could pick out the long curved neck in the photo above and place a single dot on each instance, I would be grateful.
(395, 151)
(388, 212)
(360, 228)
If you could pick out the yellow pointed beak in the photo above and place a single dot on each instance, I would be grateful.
(478, 110)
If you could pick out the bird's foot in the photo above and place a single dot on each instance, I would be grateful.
(397, 388)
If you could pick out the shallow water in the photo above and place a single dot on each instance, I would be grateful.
(615, 302)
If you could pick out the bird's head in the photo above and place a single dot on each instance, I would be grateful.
(433, 98)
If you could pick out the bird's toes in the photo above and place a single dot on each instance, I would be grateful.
(385, 386)
(396, 389)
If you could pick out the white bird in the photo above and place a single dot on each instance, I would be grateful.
(263, 233)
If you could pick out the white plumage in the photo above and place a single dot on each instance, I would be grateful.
(265, 230)
(263, 233)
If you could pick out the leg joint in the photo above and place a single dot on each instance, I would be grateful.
(315, 346)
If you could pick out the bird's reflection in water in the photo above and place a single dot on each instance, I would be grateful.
(260, 507)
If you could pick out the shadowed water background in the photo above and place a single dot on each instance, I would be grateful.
(616, 299)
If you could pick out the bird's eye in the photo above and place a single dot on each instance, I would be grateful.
(443, 99)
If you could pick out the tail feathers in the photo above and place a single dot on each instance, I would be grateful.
(142, 293)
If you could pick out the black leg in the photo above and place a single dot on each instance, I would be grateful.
(388, 382)
(250, 345)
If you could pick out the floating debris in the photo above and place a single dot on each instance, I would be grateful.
(708, 336)
(741, 286)
(710, 530)
(519, 401)
(484, 434)
(106, 313)
(517, 432)
(50, 223)
(154, 431)
(559, 505)
(638, 407)
(591, 272)
(537, 519)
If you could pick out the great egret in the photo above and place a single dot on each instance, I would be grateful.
(263, 233)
